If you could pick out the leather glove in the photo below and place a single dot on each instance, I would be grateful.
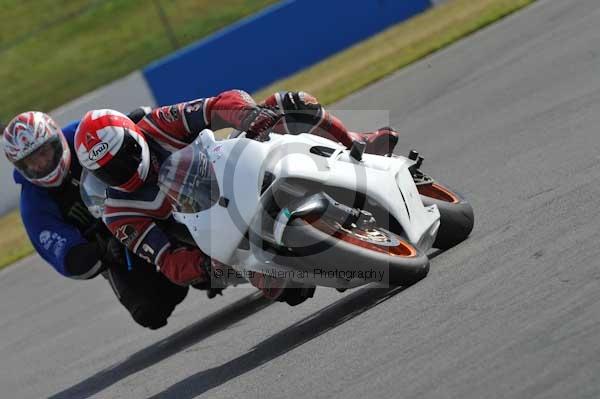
(185, 266)
(138, 114)
(206, 266)
(110, 251)
(259, 121)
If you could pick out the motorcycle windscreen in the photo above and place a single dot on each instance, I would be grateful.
(93, 193)
(188, 179)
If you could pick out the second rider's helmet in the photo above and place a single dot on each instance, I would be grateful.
(37, 147)
(113, 149)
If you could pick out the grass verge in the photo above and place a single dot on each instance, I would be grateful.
(52, 53)
(14, 243)
(347, 72)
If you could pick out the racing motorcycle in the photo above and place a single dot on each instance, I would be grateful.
(308, 211)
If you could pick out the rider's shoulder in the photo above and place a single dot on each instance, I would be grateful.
(69, 130)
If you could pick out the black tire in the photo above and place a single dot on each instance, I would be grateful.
(456, 217)
(316, 247)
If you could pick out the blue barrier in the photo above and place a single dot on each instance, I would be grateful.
(272, 44)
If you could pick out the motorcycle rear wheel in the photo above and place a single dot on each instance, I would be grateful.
(456, 214)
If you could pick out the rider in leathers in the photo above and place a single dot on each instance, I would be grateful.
(63, 231)
(128, 157)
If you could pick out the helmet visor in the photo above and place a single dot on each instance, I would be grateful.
(123, 165)
(43, 161)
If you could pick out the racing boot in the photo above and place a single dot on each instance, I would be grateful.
(379, 142)
(216, 281)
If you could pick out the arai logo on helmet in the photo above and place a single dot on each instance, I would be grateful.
(98, 151)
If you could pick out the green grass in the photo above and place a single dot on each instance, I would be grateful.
(21, 19)
(14, 243)
(53, 51)
(349, 71)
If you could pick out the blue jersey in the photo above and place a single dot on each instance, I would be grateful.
(51, 235)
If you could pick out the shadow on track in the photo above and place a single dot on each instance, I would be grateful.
(167, 347)
(297, 334)
(337, 313)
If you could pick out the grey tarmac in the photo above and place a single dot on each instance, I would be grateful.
(511, 118)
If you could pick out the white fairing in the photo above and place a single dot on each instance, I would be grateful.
(385, 180)
(240, 164)
(93, 193)
(219, 230)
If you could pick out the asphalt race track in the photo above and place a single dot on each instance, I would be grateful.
(511, 118)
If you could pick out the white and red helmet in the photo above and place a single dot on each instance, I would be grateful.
(30, 134)
(113, 149)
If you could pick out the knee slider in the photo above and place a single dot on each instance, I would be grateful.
(151, 317)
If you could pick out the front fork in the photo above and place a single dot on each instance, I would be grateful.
(319, 206)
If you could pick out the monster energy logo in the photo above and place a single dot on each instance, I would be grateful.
(80, 214)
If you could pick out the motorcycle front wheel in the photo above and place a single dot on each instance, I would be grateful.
(327, 244)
